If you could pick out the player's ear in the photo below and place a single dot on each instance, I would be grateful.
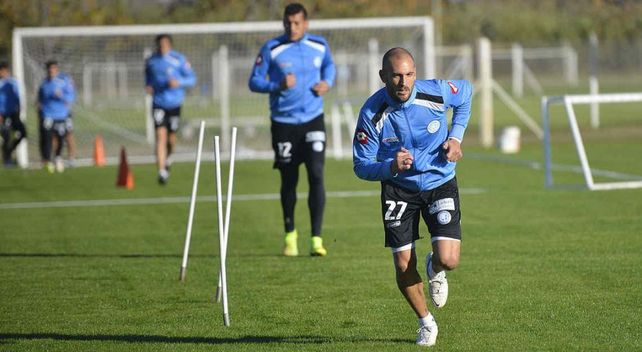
(382, 75)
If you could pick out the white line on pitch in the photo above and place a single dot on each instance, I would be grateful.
(177, 200)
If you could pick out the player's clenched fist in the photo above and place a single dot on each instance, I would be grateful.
(288, 81)
(403, 161)
(452, 150)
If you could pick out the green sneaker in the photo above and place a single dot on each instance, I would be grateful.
(290, 249)
(317, 249)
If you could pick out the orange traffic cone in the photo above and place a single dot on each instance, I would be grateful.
(125, 176)
(99, 151)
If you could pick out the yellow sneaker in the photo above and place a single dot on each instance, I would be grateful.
(50, 167)
(317, 249)
(290, 249)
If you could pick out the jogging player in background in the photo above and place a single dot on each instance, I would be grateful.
(296, 69)
(55, 97)
(167, 75)
(11, 127)
(403, 140)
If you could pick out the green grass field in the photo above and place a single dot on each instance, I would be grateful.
(541, 270)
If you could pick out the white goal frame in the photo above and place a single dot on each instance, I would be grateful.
(19, 34)
(568, 101)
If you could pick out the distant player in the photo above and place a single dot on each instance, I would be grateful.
(11, 127)
(296, 69)
(402, 139)
(55, 97)
(167, 75)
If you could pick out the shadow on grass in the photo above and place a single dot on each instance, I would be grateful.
(196, 340)
(83, 255)
(169, 339)
(134, 255)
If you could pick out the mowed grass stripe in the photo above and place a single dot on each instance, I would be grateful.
(178, 200)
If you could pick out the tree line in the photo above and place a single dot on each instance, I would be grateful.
(531, 22)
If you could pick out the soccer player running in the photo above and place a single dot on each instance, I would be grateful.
(9, 115)
(55, 96)
(167, 75)
(402, 139)
(296, 69)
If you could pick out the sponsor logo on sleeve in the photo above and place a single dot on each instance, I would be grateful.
(362, 136)
(390, 140)
(453, 88)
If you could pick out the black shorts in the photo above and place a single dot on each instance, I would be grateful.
(59, 127)
(13, 122)
(294, 144)
(400, 209)
(168, 118)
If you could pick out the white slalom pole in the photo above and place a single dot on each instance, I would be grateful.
(221, 232)
(192, 203)
(228, 205)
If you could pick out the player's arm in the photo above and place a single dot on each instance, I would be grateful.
(459, 94)
(148, 79)
(365, 146)
(328, 73)
(259, 81)
(69, 92)
(187, 77)
(16, 92)
(39, 98)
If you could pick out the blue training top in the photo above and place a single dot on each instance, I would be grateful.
(9, 96)
(419, 125)
(160, 69)
(56, 96)
(309, 60)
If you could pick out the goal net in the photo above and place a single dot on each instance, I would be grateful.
(608, 152)
(107, 66)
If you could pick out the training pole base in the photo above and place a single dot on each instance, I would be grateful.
(181, 277)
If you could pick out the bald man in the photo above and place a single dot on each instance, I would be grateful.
(402, 139)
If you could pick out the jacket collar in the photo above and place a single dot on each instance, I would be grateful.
(397, 105)
(286, 39)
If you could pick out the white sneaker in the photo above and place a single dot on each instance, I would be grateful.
(427, 335)
(437, 285)
(60, 165)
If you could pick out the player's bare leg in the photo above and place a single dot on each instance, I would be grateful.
(57, 144)
(171, 145)
(161, 154)
(412, 288)
(71, 147)
(445, 257)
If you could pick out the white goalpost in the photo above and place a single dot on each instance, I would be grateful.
(106, 64)
(568, 101)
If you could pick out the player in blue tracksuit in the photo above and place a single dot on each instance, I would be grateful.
(9, 114)
(402, 139)
(296, 69)
(55, 96)
(167, 75)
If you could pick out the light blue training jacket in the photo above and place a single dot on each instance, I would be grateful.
(309, 60)
(160, 69)
(9, 96)
(419, 125)
(56, 96)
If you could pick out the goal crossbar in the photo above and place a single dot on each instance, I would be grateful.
(568, 101)
(227, 27)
